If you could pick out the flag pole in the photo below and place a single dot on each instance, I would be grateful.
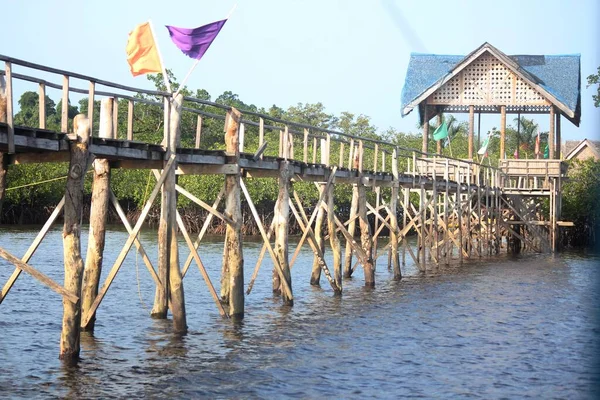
(162, 64)
(198, 60)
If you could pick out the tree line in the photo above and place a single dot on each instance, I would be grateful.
(28, 202)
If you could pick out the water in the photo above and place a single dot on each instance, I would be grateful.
(522, 327)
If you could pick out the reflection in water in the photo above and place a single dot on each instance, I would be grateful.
(514, 327)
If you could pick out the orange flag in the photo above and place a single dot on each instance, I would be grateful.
(142, 54)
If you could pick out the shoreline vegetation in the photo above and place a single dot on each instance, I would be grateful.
(33, 190)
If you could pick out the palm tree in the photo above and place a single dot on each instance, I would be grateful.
(524, 136)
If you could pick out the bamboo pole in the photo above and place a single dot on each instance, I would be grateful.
(471, 130)
(98, 215)
(502, 132)
(232, 278)
(73, 209)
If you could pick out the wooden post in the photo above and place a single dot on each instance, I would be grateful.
(198, 131)
(439, 142)
(394, 218)
(351, 228)
(551, 147)
(161, 296)
(471, 129)
(233, 260)
(558, 138)
(130, 115)
(64, 118)
(176, 291)
(98, 214)
(42, 105)
(90, 115)
(334, 241)
(305, 146)
(115, 133)
(315, 275)
(365, 236)
(9, 111)
(425, 146)
(69, 338)
(3, 159)
(281, 220)
(502, 131)
(423, 217)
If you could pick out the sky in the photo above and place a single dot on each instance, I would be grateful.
(350, 55)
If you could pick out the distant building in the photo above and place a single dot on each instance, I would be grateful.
(581, 150)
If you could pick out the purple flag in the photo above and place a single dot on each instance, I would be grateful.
(194, 42)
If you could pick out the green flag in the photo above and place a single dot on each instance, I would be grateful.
(441, 132)
(546, 152)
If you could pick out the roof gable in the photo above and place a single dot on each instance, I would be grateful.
(585, 143)
(556, 78)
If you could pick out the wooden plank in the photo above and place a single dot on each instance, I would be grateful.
(32, 248)
(44, 279)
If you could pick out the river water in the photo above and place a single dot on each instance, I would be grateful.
(525, 327)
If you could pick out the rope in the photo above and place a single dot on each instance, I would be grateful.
(39, 183)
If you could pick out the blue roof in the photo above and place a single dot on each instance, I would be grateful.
(557, 74)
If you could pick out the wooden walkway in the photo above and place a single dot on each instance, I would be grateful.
(464, 209)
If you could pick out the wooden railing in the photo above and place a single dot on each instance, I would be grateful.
(276, 137)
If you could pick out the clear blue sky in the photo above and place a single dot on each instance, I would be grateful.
(350, 55)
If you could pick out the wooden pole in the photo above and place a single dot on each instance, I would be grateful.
(161, 296)
(334, 241)
(176, 291)
(198, 131)
(130, 115)
(439, 142)
(351, 230)
(394, 218)
(315, 275)
(281, 222)
(73, 209)
(471, 129)
(551, 144)
(425, 146)
(64, 118)
(115, 132)
(558, 138)
(98, 214)
(366, 237)
(3, 159)
(90, 114)
(233, 261)
(502, 132)
(9, 111)
(42, 105)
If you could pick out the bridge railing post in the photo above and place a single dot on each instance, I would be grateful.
(6, 106)
(42, 105)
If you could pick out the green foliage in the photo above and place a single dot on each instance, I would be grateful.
(580, 200)
(594, 79)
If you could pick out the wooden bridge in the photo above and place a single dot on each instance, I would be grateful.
(464, 209)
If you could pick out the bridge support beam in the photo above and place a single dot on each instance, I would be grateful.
(365, 236)
(352, 218)
(315, 276)
(281, 223)
(232, 275)
(334, 240)
(98, 214)
(69, 338)
(3, 159)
